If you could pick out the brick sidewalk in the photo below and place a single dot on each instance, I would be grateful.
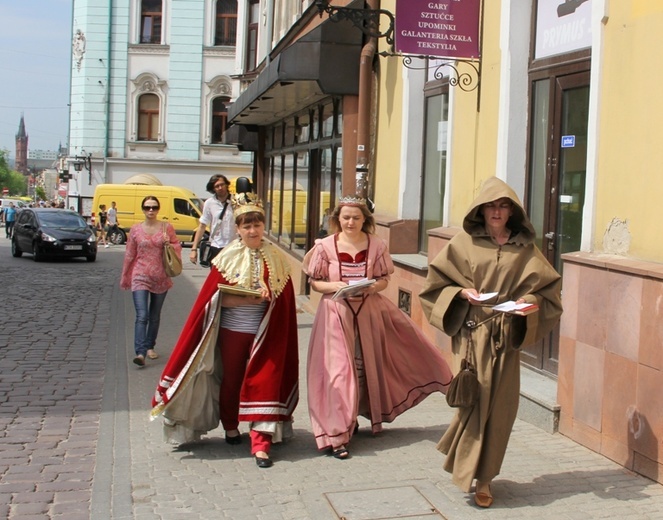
(395, 474)
(77, 441)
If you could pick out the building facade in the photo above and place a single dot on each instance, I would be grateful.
(553, 106)
(151, 82)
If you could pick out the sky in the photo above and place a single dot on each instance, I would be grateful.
(35, 60)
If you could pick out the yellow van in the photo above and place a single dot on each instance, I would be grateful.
(179, 206)
(301, 209)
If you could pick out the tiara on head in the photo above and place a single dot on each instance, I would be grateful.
(351, 200)
(246, 203)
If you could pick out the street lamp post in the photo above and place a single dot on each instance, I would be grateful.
(84, 161)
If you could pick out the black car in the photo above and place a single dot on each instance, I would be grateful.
(50, 232)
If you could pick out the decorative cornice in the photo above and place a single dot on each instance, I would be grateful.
(148, 82)
(159, 146)
(220, 85)
(149, 49)
(225, 52)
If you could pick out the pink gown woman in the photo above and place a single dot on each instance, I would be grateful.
(366, 357)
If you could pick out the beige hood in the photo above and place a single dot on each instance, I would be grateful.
(493, 189)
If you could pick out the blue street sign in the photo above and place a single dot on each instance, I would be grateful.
(568, 141)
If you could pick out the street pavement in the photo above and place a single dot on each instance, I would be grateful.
(77, 440)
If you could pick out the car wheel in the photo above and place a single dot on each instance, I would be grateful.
(118, 237)
(37, 255)
(16, 252)
(91, 258)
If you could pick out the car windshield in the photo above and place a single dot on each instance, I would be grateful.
(64, 220)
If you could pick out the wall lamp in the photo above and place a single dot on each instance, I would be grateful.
(84, 161)
(366, 20)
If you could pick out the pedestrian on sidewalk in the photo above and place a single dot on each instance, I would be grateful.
(218, 216)
(10, 218)
(102, 224)
(236, 358)
(113, 223)
(143, 272)
(495, 252)
(366, 357)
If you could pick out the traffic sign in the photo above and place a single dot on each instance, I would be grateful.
(5, 191)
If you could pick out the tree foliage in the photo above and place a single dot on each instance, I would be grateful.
(16, 183)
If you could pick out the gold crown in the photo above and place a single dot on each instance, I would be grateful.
(246, 203)
(351, 200)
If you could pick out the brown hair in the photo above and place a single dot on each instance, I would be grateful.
(367, 227)
(150, 197)
(213, 180)
(249, 218)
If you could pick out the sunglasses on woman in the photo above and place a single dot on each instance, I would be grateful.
(150, 208)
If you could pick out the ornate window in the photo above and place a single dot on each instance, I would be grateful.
(147, 100)
(151, 21)
(148, 117)
(218, 93)
(252, 35)
(226, 23)
(219, 118)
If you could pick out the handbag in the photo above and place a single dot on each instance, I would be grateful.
(205, 251)
(463, 391)
(172, 263)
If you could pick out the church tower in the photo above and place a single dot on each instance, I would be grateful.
(21, 149)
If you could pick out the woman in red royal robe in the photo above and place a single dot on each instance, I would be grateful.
(236, 359)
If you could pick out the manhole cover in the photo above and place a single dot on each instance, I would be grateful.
(382, 504)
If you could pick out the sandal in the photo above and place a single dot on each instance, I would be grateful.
(341, 453)
(483, 499)
(152, 354)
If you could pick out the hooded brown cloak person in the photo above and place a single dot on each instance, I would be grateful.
(476, 440)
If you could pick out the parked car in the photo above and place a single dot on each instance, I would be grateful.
(51, 232)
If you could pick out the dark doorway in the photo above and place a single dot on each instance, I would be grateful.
(557, 165)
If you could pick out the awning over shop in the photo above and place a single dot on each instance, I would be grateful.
(243, 136)
(322, 63)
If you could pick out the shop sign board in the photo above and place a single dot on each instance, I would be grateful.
(442, 28)
(562, 27)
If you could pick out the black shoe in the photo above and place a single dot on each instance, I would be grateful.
(140, 361)
(263, 463)
(237, 439)
(341, 453)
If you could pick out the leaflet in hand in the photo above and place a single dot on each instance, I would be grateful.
(483, 296)
(352, 289)
(521, 309)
